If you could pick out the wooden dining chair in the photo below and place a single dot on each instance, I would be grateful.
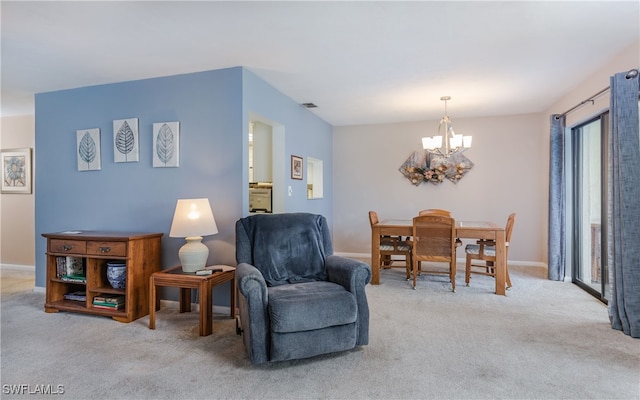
(434, 240)
(481, 256)
(392, 246)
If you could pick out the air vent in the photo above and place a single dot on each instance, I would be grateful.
(309, 105)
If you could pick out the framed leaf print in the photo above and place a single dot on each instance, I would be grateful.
(125, 140)
(16, 171)
(88, 149)
(166, 144)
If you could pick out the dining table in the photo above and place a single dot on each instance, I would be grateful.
(463, 230)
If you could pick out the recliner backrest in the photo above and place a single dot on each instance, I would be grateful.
(285, 248)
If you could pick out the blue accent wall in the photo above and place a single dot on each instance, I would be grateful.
(212, 108)
(306, 135)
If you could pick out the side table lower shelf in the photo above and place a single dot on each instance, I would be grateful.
(174, 277)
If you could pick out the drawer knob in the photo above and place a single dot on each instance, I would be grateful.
(105, 249)
(67, 247)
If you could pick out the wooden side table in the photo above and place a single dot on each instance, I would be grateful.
(175, 277)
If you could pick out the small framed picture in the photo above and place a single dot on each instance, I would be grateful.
(296, 167)
(16, 170)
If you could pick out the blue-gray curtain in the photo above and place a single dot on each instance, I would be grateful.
(623, 248)
(556, 247)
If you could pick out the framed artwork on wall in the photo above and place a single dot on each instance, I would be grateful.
(296, 167)
(125, 140)
(88, 149)
(166, 144)
(16, 170)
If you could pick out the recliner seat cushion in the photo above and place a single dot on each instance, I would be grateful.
(310, 305)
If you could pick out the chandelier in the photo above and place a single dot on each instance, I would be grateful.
(446, 143)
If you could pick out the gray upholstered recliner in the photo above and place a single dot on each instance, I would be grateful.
(296, 298)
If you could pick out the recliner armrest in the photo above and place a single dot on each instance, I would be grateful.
(253, 304)
(353, 275)
(251, 283)
(350, 273)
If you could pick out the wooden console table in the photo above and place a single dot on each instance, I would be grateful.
(175, 277)
(140, 251)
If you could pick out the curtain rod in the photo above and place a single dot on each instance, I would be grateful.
(630, 75)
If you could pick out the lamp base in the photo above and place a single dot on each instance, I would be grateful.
(193, 254)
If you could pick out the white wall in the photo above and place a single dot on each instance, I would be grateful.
(17, 215)
(626, 60)
(510, 175)
(262, 152)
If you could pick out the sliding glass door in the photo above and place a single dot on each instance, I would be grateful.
(589, 153)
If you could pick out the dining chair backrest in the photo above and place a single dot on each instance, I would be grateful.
(434, 240)
(373, 218)
(509, 229)
(434, 237)
(436, 211)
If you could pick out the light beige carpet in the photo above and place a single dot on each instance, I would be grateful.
(545, 340)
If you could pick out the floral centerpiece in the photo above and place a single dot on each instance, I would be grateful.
(423, 167)
(417, 175)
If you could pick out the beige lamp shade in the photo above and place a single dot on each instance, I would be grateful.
(193, 219)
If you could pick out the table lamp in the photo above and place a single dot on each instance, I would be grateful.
(192, 220)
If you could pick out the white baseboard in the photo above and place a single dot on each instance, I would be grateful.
(18, 267)
(353, 255)
(536, 264)
(194, 307)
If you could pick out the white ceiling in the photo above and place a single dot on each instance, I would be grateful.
(361, 62)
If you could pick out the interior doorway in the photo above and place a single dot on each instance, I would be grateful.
(266, 157)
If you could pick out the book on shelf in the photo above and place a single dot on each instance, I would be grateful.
(108, 299)
(61, 266)
(106, 306)
(112, 308)
(74, 278)
(77, 296)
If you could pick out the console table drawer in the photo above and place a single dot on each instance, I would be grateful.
(118, 249)
(68, 246)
